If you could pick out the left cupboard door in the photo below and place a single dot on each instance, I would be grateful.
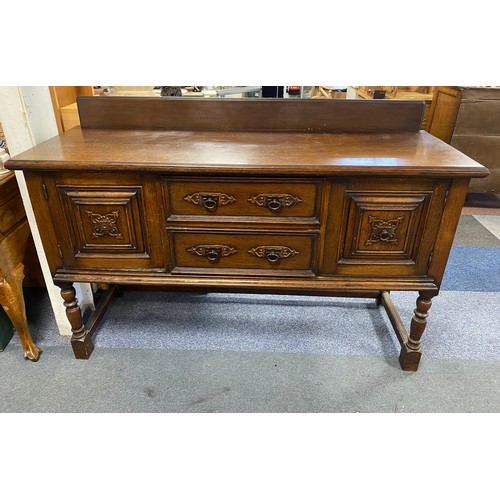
(99, 221)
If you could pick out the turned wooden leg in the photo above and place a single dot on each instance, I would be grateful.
(12, 299)
(410, 351)
(81, 341)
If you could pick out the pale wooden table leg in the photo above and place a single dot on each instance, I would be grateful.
(12, 299)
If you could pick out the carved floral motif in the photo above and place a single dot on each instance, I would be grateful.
(105, 225)
(383, 230)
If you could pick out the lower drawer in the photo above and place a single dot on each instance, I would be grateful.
(256, 253)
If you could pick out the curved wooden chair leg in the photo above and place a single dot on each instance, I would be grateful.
(11, 295)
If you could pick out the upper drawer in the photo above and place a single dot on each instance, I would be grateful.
(247, 197)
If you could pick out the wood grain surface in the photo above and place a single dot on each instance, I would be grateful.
(221, 114)
(206, 153)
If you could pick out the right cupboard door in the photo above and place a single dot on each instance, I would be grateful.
(380, 227)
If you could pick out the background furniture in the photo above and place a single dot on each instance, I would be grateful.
(64, 104)
(468, 118)
(324, 92)
(14, 234)
(249, 195)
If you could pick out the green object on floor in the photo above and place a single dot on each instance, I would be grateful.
(6, 329)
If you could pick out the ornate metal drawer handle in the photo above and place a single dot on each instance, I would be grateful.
(212, 252)
(209, 200)
(273, 254)
(273, 201)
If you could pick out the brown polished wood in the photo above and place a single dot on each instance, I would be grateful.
(411, 352)
(249, 114)
(232, 204)
(80, 340)
(14, 234)
(249, 153)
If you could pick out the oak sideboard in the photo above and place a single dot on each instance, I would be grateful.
(335, 198)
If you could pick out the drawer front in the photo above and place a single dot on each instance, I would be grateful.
(261, 253)
(243, 197)
(11, 212)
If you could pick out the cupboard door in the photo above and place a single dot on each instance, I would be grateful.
(384, 227)
(107, 221)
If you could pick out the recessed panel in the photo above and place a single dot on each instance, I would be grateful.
(383, 226)
(106, 227)
(104, 221)
(386, 228)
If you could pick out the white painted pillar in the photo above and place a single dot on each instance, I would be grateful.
(27, 118)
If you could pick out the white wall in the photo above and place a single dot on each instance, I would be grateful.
(27, 118)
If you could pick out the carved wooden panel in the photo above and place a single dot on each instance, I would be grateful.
(384, 226)
(104, 221)
(107, 227)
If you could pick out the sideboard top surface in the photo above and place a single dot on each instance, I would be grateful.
(364, 153)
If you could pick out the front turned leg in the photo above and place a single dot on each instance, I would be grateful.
(410, 351)
(12, 299)
(81, 341)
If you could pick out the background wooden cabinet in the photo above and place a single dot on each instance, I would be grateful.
(468, 118)
(64, 102)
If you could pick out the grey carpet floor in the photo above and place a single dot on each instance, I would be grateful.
(140, 380)
(460, 326)
(470, 232)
